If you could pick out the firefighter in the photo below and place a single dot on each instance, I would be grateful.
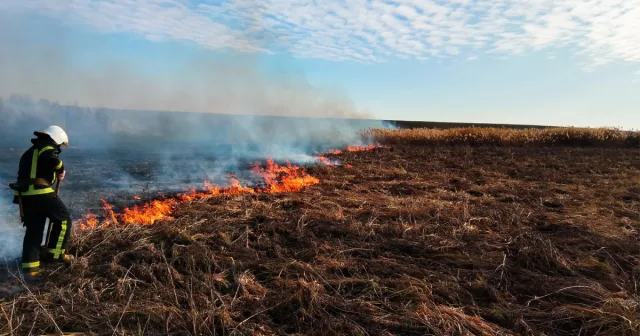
(40, 167)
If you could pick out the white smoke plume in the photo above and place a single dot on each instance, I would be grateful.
(232, 83)
(11, 233)
(214, 115)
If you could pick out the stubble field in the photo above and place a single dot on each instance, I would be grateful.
(412, 239)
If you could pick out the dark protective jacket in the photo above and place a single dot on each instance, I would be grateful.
(38, 167)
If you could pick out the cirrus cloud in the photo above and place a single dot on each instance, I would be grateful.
(601, 31)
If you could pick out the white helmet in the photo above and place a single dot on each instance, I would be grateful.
(57, 134)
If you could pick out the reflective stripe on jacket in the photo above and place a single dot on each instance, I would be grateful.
(40, 161)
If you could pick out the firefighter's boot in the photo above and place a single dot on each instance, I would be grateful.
(64, 258)
(32, 275)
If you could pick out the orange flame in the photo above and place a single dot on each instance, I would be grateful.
(364, 148)
(148, 213)
(109, 211)
(284, 179)
(278, 179)
(335, 151)
(89, 221)
(355, 149)
(325, 161)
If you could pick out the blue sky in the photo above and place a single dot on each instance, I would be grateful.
(553, 62)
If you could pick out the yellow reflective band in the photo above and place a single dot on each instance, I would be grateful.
(31, 264)
(32, 191)
(59, 165)
(44, 149)
(63, 230)
(55, 251)
(34, 164)
(34, 168)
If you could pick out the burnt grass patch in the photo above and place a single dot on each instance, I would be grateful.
(409, 241)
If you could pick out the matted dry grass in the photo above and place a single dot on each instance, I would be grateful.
(412, 240)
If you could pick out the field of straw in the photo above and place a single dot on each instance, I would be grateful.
(482, 238)
(560, 136)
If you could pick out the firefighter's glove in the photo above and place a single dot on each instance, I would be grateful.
(61, 175)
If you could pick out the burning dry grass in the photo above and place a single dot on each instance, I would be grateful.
(411, 241)
(504, 136)
(277, 179)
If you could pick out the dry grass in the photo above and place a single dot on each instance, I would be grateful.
(412, 240)
(503, 136)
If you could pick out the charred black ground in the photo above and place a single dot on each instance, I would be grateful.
(412, 240)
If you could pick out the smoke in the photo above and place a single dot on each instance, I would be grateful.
(70, 72)
(11, 234)
(227, 96)
(207, 102)
(230, 86)
(139, 123)
(11, 231)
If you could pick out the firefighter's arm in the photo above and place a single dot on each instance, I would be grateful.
(53, 160)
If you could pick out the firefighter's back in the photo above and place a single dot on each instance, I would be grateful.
(24, 167)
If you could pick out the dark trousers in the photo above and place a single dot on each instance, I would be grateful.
(36, 211)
